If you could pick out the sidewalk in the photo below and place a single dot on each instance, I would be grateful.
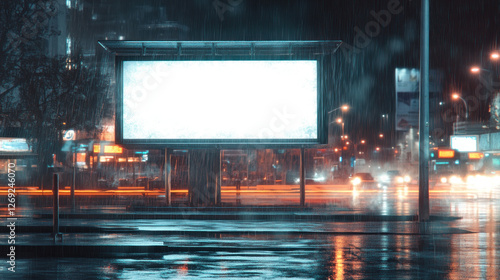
(111, 238)
(226, 213)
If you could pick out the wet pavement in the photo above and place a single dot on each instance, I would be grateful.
(441, 256)
(378, 239)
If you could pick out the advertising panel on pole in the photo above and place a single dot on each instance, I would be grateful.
(407, 95)
(464, 143)
(221, 94)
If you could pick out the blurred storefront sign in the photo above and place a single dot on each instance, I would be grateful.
(14, 145)
(407, 95)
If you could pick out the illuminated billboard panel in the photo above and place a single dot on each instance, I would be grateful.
(464, 143)
(228, 100)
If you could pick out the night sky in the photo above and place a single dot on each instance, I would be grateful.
(462, 34)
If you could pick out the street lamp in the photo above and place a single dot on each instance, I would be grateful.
(477, 70)
(495, 55)
(340, 121)
(457, 96)
(343, 108)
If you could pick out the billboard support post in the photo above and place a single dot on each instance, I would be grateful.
(219, 180)
(302, 178)
(423, 182)
(168, 177)
(190, 180)
(73, 185)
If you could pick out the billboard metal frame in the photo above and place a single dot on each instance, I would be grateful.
(320, 51)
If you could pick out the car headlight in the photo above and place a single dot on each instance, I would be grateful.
(444, 180)
(297, 180)
(407, 179)
(471, 179)
(399, 180)
(384, 178)
(455, 180)
(356, 181)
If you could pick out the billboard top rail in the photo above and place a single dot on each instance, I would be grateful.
(219, 48)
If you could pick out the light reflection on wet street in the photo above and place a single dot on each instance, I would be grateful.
(466, 248)
(468, 256)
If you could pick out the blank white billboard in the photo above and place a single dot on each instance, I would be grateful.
(464, 143)
(220, 100)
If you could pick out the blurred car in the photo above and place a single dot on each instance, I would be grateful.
(317, 178)
(393, 178)
(363, 181)
(482, 182)
(446, 179)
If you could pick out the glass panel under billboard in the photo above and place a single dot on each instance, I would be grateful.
(220, 100)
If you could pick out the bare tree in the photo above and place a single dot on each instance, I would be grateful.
(41, 94)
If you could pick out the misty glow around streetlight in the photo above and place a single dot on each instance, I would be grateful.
(455, 96)
(475, 69)
(339, 120)
(345, 107)
(495, 56)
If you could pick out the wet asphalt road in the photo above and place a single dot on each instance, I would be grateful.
(467, 248)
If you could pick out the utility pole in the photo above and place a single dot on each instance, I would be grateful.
(423, 175)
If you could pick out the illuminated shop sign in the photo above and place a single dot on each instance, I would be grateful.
(446, 154)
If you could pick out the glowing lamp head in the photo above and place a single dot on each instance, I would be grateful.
(455, 96)
(345, 107)
(475, 70)
(339, 120)
(495, 56)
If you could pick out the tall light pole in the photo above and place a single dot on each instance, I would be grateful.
(341, 121)
(423, 167)
(490, 82)
(344, 108)
(457, 96)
